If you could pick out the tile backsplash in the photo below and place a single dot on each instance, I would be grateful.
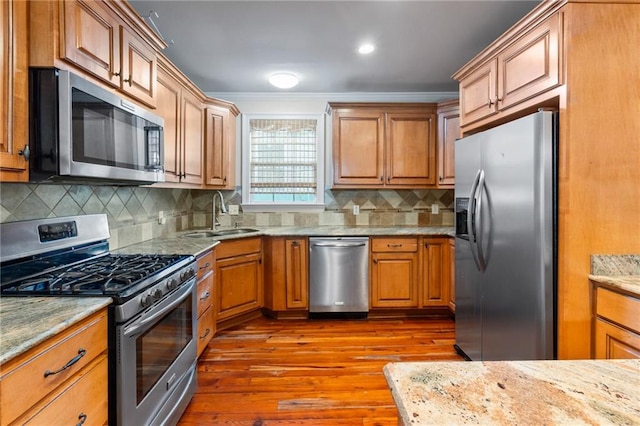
(133, 211)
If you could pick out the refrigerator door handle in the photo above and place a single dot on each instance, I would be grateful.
(471, 221)
(482, 264)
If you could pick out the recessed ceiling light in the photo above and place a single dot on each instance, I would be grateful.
(283, 80)
(366, 48)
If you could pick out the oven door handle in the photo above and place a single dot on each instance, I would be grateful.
(144, 320)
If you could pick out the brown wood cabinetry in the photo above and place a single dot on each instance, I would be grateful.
(399, 139)
(436, 275)
(106, 40)
(452, 275)
(220, 145)
(448, 132)
(616, 324)
(29, 396)
(206, 296)
(183, 114)
(394, 272)
(15, 92)
(239, 277)
(287, 276)
(605, 32)
(527, 66)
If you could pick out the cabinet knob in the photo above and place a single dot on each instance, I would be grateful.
(375, 261)
(224, 179)
(426, 245)
(127, 80)
(116, 74)
(82, 417)
(490, 102)
(295, 244)
(381, 179)
(26, 152)
(206, 333)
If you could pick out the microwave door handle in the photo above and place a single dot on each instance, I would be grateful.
(471, 220)
(144, 320)
(480, 225)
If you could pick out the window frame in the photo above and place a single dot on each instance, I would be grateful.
(247, 204)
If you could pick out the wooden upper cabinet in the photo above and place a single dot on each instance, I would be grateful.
(139, 68)
(169, 93)
(192, 139)
(14, 89)
(448, 132)
(91, 39)
(527, 65)
(220, 144)
(358, 147)
(384, 145)
(411, 149)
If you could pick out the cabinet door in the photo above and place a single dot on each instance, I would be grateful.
(478, 93)
(14, 90)
(435, 272)
(92, 39)
(530, 65)
(139, 68)
(218, 147)
(296, 273)
(192, 139)
(410, 149)
(169, 93)
(239, 285)
(358, 148)
(394, 280)
(452, 275)
(612, 342)
(448, 132)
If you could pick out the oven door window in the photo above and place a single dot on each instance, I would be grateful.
(159, 346)
(106, 135)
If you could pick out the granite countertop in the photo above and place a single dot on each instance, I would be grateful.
(516, 392)
(179, 244)
(26, 322)
(617, 271)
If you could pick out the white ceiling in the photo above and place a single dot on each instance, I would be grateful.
(233, 46)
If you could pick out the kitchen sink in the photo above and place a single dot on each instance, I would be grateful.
(219, 233)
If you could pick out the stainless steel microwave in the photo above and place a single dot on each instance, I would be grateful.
(82, 133)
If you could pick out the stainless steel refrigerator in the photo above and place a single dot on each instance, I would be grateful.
(505, 205)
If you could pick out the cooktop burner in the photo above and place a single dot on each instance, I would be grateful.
(109, 274)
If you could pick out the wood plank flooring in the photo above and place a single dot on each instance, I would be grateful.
(316, 372)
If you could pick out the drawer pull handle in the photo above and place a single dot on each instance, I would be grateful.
(206, 333)
(206, 265)
(83, 418)
(205, 296)
(81, 353)
(394, 245)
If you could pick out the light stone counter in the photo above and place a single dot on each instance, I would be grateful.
(179, 244)
(621, 272)
(595, 392)
(26, 322)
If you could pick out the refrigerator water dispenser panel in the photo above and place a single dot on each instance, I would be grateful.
(462, 209)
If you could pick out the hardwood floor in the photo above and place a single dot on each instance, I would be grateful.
(317, 372)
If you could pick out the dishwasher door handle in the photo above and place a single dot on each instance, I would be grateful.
(338, 245)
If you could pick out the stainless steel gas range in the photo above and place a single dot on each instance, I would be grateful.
(152, 320)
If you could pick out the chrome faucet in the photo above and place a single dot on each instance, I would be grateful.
(223, 209)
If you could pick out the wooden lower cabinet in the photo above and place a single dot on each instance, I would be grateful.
(452, 275)
(394, 273)
(616, 324)
(435, 272)
(287, 276)
(239, 277)
(206, 296)
(30, 396)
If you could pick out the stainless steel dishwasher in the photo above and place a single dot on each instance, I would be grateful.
(338, 275)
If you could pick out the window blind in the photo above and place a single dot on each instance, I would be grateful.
(283, 160)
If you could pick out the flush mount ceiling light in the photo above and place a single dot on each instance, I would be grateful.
(366, 48)
(283, 80)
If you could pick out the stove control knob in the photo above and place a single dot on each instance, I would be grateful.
(146, 300)
(172, 284)
(157, 294)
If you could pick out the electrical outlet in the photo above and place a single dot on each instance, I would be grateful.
(435, 209)
(234, 209)
(356, 209)
(161, 219)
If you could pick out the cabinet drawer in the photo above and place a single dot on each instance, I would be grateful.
(205, 292)
(86, 398)
(205, 263)
(618, 308)
(21, 387)
(205, 329)
(405, 245)
(238, 247)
